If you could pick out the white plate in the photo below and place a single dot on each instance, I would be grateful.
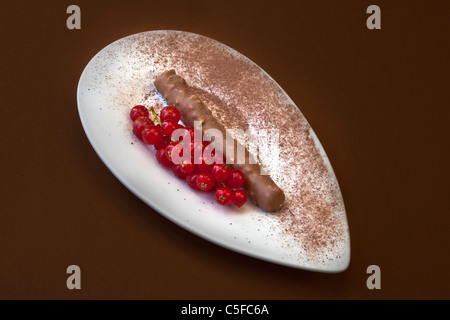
(120, 76)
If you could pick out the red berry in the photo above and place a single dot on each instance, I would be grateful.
(208, 154)
(170, 114)
(205, 181)
(204, 166)
(216, 185)
(152, 135)
(140, 124)
(221, 172)
(163, 144)
(168, 128)
(177, 170)
(236, 179)
(187, 167)
(138, 111)
(197, 150)
(239, 197)
(177, 137)
(193, 155)
(224, 195)
(189, 133)
(173, 147)
(191, 180)
(161, 157)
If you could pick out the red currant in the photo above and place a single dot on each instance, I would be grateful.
(187, 167)
(140, 124)
(177, 137)
(239, 197)
(168, 128)
(152, 135)
(173, 147)
(205, 181)
(189, 133)
(163, 144)
(197, 149)
(170, 114)
(221, 172)
(201, 175)
(224, 195)
(169, 149)
(236, 179)
(161, 157)
(138, 111)
(209, 154)
(177, 170)
(216, 185)
(193, 155)
(191, 180)
(204, 166)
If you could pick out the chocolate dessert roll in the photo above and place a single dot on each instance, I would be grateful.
(261, 188)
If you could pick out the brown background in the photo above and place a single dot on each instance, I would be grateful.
(378, 101)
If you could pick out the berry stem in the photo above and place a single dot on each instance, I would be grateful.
(156, 116)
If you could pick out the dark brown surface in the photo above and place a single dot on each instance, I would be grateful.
(378, 101)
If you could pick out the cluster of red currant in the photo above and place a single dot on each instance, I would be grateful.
(200, 174)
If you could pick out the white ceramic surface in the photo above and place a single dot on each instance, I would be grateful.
(117, 78)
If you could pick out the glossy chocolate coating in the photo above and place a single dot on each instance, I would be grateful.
(261, 188)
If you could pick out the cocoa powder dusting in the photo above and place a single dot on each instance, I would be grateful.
(241, 95)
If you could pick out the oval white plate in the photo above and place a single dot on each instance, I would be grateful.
(120, 76)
